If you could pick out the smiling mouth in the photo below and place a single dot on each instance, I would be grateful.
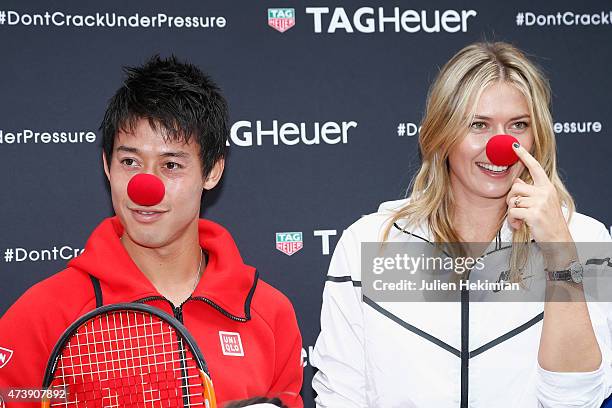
(492, 168)
(147, 211)
(146, 216)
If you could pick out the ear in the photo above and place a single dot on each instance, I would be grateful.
(214, 175)
(106, 170)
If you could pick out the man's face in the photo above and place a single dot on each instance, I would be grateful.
(177, 165)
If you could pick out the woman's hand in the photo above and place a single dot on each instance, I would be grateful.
(537, 205)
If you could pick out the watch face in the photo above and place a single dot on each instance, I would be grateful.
(576, 271)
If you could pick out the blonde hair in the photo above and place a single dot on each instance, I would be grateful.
(451, 105)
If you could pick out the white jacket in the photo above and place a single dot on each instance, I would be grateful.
(443, 354)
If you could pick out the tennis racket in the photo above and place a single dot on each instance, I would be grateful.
(128, 355)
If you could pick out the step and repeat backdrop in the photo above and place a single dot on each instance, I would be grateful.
(325, 101)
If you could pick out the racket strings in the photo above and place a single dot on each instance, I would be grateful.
(128, 359)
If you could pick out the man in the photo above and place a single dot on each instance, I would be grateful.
(168, 121)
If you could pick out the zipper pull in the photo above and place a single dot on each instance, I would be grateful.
(178, 313)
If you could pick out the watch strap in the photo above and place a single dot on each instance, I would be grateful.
(564, 275)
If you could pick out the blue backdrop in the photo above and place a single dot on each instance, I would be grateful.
(352, 77)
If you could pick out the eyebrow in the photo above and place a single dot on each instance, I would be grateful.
(511, 119)
(134, 150)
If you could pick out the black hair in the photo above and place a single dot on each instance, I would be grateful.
(178, 99)
(256, 400)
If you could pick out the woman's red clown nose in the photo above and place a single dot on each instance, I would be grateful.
(499, 150)
(146, 189)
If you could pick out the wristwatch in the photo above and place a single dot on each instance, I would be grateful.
(573, 273)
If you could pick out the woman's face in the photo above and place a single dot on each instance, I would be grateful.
(502, 108)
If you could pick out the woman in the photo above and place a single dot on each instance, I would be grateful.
(460, 354)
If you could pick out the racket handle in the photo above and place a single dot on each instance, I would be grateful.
(46, 403)
(209, 391)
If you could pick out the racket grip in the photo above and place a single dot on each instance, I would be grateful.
(209, 391)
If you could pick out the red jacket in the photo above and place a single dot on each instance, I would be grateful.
(228, 298)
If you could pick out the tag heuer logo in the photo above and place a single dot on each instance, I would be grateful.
(289, 242)
(281, 19)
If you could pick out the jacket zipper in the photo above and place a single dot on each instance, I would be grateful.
(220, 309)
(178, 311)
(178, 314)
(465, 344)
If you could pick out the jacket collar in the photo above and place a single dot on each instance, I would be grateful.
(226, 281)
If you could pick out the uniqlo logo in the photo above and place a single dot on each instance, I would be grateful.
(231, 345)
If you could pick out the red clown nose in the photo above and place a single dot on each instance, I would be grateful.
(500, 151)
(146, 189)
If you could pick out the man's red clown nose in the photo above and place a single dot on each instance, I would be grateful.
(500, 152)
(146, 189)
